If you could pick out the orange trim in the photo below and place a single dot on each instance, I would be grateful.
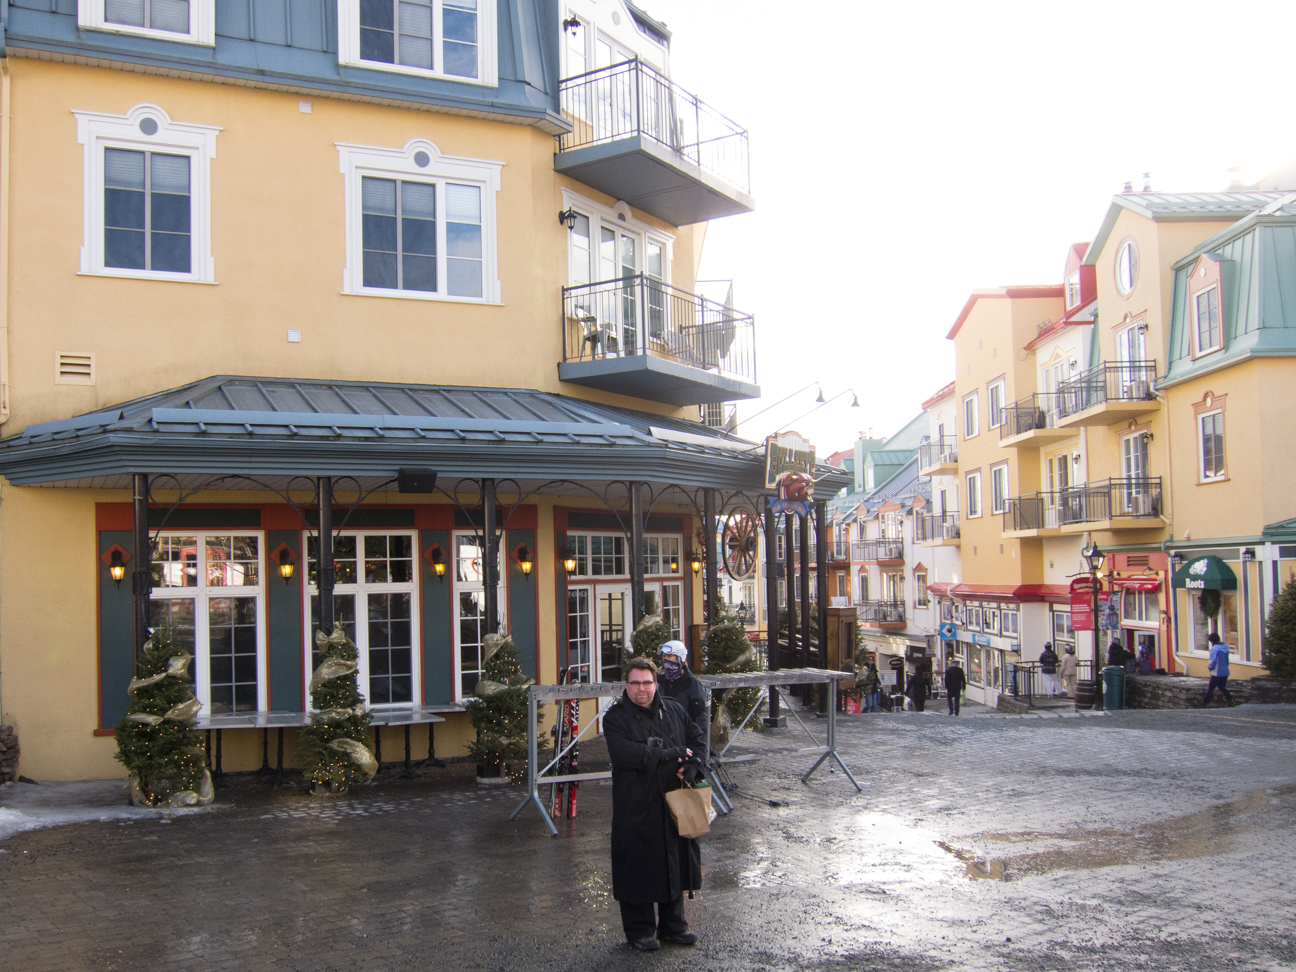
(105, 732)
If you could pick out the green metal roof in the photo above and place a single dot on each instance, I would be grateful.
(278, 428)
(1257, 260)
(1184, 207)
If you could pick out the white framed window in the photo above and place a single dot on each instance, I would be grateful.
(973, 495)
(183, 21)
(1210, 439)
(580, 634)
(782, 593)
(974, 617)
(599, 554)
(920, 589)
(1140, 606)
(971, 416)
(1073, 289)
(419, 224)
(863, 587)
(661, 554)
(672, 608)
(1206, 321)
(999, 488)
(451, 39)
(990, 620)
(995, 394)
(146, 191)
(1062, 630)
(208, 596)
(1127, 267)
(1009, 622)
(375, 601)
(780, 549)
(470, 609)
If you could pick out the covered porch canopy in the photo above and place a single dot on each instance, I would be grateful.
(238, 432)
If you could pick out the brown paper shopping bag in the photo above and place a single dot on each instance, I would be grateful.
(690, 808)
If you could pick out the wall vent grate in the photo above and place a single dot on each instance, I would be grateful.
(74, 368)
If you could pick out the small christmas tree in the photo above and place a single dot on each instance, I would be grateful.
(728, 651)
(499, 711)
(156, 740)
(647, 638)
(1280, 633)
(333, 753)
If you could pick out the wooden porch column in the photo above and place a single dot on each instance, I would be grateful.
(805, 592)
(821, 582)
(142, 575)
(325, 572)
(636, 556)
(491, 574)
(772, 718)
(790, 586)
(711, 580)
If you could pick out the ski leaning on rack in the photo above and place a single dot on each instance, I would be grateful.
(561, 734)
(573, 758)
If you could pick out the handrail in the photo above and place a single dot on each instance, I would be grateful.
(881, 548)
(633, 98)
(938, 451)
(639, 315)
(1135, 497)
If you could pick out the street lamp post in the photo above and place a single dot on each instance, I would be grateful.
(1094, 558)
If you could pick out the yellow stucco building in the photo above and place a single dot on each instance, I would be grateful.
(431, 272)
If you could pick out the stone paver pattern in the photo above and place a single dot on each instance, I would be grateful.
(1147, 840)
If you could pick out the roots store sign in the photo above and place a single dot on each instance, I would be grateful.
(789, 467)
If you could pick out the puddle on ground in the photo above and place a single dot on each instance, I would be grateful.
(1203, 834)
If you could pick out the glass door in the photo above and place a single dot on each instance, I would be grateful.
(613, 631)
(1134, 465)
(619, 260)
(580, 635)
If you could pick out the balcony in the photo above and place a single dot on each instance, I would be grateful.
(1112, 504)
(887, 550)
(939, 456)
(1033, 421)
(881, 614)
(937, 529)
(1107, 394)
(638, 136)
(640, 337)
(840, 552)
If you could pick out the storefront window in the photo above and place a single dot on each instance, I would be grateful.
(1225, 623)
(975, 669)
(1062, 631)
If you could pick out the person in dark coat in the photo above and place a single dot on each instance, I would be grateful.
(1117, 655)
(919, 686)
(654, 748)
(955, 683)
(676, 681)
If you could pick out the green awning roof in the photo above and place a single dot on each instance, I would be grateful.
(1205, 574)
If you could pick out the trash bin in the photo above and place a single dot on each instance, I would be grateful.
(1113, 687)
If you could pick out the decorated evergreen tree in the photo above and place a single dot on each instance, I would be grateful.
(647, 638)
(1280, 634)
(728, 651)
(156, 740)
(499, 711)
(333, 754)
(1210, 600)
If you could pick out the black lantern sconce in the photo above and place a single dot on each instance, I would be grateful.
(285, 564)
(569, 560)
(524, 560)
(117, 567)
(435, 556)
(1177, 560)
(695, 561)
(568, 216)
(572, 23)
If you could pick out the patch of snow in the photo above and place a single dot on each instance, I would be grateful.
(27, 806)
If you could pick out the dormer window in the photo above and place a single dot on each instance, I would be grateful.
(452, 39)
(1073, 290)
(1204, 307)
(183, 21)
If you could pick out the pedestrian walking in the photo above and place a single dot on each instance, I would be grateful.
(870, 686)
(654, 748)
(955, 683)
(918, 687)
(1218, 666)
(1067, 670)
(680, 684)
(1048, 660)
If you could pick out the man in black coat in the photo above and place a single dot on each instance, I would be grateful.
(676, 681)
(652, 744)
(955, 683)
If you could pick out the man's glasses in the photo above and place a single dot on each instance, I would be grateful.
(640, 684)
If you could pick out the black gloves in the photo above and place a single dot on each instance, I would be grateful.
(675, 753)
(692, 772)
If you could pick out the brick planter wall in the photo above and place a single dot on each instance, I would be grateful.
(8, 754)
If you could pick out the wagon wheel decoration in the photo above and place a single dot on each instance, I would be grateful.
(740, 543)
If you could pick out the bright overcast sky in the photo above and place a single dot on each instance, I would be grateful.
(905, 154)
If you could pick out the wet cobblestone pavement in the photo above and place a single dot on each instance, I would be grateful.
(1146, 840)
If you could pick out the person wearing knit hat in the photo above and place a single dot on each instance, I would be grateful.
(677, 682)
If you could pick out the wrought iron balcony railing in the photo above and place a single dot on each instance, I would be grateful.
(1125, 381)
(639, 315)
(1138, 498)
(940, 451)
(1037, 411)
(631, 98)
(885, 548)
(880, 612)
(936, 526)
